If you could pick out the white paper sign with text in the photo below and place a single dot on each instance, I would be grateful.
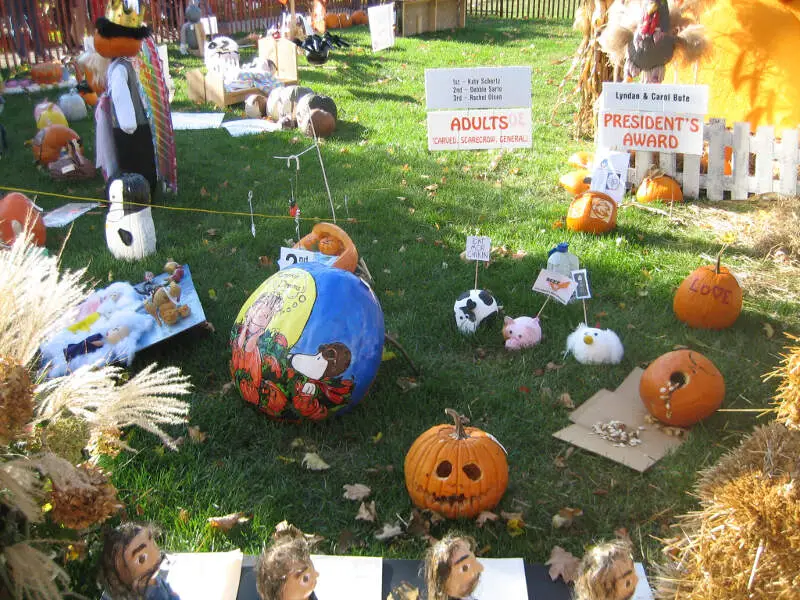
(481, 87)
(557, 286)
(381, 26)
(292, 256)
(610, 172)
(479, 247)
(479, 129)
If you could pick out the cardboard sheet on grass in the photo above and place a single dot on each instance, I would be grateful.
(623, 404)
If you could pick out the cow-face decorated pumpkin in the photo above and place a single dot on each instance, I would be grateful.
(681, 388)
(456, 471)
(17, 212)
(709, 298)
(592, 212)
(472, 308)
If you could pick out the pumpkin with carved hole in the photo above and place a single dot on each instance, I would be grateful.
(576, 182)
(681, 388)
(592, 212)
(456, 471)
(16, 210)
(709, 298)
(659, 187)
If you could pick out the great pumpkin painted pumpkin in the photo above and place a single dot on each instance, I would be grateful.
(592, 212)
(681, 388)
(47, 144)
(331, 240)
(709, 298)
(659, 187)
(47, 73)
(456, 471)
(576, 182)
(16, 210)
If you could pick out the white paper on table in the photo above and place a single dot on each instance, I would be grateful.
(206, 575)
(242, 127)
(502, 579)
(183, 121)
(352, 577)
(643, 591)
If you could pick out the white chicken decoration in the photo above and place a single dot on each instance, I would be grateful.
(130, 231)
(592, 346)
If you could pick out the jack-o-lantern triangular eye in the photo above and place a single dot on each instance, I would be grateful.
(444, 469)
(472, 471)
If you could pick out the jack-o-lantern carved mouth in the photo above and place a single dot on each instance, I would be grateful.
(454, 499)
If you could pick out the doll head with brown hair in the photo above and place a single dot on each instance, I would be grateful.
(284, 570)
(607, 572)
(130, 561)
(451, 568)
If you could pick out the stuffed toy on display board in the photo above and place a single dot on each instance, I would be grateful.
(452, 572)
(307, 343)
(284, 571)
(607, 572)
(130, 231)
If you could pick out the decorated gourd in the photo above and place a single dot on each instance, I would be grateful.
(307, 343)
(47, 73)
(48, 113)
(456, 471)
(47, 144)
(130, 231)
(709, 298)
(73, 106)
(16, 210)
(576, 182)
(360, 17)
(682, 388)
(592, 212)
(331, 240)
(657, 187)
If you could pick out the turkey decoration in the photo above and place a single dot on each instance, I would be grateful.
(645, 35)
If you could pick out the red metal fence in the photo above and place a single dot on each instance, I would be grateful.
(42, 30)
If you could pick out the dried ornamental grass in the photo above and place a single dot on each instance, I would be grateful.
(34, 576)
(787, 400)
(16, 398)
(744, 543)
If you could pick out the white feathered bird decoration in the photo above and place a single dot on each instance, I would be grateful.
(592, 346)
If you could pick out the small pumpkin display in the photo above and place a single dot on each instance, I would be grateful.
(709, 298)
(681, 388)
(581, 160)
(456, 471)
(592, 212)
(360, 17)
(47, 73)
(331, 240)
(659, 186)
(576, 182)
(15, 211)
(47, 144)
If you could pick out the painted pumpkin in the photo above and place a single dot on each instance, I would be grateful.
(576, 182)
(659, 187)
(47, 144)
(318, 240)
(15, 211)
(360, 17)
(113, 47)
(681, 388)
(332, 21)
(592, 212)
(456, 471)
(709, 298)
(47, 73)
(581, 160)
(48, 113)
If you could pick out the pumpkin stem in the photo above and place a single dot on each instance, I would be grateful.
(460, 421)
(719, 258)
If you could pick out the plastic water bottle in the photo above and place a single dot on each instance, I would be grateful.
(560, 260)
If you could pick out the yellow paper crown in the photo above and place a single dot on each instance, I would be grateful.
(127, 13)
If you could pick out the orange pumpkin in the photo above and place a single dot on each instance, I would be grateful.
(576, 182)
(709, 298)
(16, 210)
(581, 160)
(456, 471)
(47, 73)
(659, 187)
(682, 388)
(332, 21)
(727, 169)
(331, 239)
(345, 20)
(114, 47)
(592, 212)
(49, 141)
(360, 17)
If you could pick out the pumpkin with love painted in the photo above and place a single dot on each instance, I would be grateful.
(709, 298)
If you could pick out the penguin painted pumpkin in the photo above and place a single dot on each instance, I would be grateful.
(307, 343)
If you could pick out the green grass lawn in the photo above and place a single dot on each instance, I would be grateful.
(379, 170)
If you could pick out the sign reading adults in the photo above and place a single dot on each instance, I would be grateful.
(479, 108)
(652, 117)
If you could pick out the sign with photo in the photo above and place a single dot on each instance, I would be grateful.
(610, 173)
(582, 292)
(555, 285)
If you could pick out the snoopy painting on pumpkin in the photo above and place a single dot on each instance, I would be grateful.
(317, 376)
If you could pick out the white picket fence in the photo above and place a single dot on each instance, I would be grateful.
(776, 163)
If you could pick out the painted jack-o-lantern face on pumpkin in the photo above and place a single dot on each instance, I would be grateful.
(456, 471)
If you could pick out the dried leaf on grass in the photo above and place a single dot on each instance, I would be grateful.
(562, 564)
(389, 532)
(313, 462)
(565, 517)
(228, 522)
(196, 435)
(565, 400)
(356, 491)
(485, 517)
(407, 383)
(367, 512)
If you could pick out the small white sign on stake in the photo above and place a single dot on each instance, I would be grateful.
(582, 292)
(293, 256)
(555, 285)
(479, 247)
(381, 26)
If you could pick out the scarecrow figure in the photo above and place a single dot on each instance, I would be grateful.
(451, 570)
(607, 572)
(284, 570)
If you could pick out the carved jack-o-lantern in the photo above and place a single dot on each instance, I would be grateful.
(592, 212)
(456, 471)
